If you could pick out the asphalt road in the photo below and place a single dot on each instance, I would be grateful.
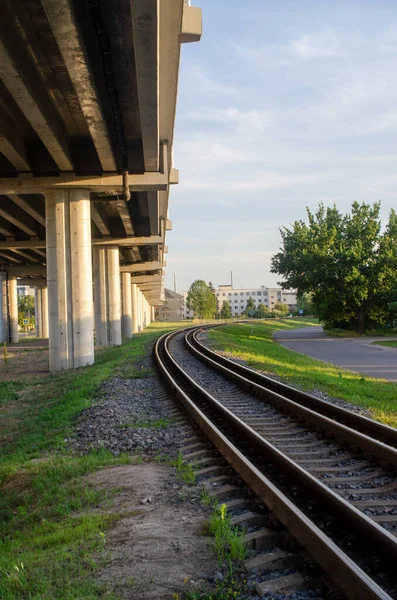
(356, 354)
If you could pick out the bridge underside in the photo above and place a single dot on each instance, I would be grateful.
(87, 109)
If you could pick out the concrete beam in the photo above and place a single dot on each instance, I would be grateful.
(70, 43)
(26, 96)
(32, 282)
(25, 255)
(138, 267)
(146, 279)
(42, 253)
(95, 183)
(125, 217)
(12, 146)
(10, 258)
(145, 24)
(17, 222)
(28, 208)
(28, 271)
(153, 240)
(5, 231)
(99, 218)
(153, 209)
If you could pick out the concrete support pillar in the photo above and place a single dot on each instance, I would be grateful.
(113, 296)
(134, 304)
(3, 308)
(153, 315)
(44, 311)
(13, 308)
(69, 278)
(145, 312)
(38, 308)
(100, 296)
(127, 305)
(140, 320)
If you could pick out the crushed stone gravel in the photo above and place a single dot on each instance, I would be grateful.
(133, 415)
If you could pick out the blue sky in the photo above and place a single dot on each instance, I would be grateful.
(282, 104)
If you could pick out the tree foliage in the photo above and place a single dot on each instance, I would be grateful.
(26, 308)
(211, 286)
(304, 302)
(201, 300)
(344, 261)
(250, 306)
(226, 311)
(282, 308)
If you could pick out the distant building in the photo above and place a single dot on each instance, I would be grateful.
(172, 309)
(25, 290)
(238, 298)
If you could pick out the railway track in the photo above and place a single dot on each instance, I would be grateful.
(326, 477)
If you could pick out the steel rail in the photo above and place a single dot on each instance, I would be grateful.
(346, 574)
(368, 426)
(372, 446)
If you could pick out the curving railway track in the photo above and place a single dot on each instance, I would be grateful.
(322, 516)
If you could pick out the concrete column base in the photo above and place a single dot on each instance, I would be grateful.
(38, 311)
(4, 333)
(13, 308)
(127, 305)
(44, 311)
(69, 278)
(100, 296)
(134, 308)
(113, 295)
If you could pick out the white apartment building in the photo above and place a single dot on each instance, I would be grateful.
(238, 298)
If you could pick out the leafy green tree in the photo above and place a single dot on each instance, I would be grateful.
(304, 302)
(250, 306)
(226, 311)
(26, 308)
(201, 300)
(344, 261)
(262, 312)
(211, 286)
(282, 308)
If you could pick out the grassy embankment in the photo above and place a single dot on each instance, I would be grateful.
(254, 344)
(49, 534)
(391, 344)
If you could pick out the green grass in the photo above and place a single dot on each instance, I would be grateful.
(51, 539)
(391, 344)
(345, 333)
(185, 471)
(254, 343)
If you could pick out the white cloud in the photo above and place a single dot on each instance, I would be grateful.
(323, 45)
(236, 117)
(249, 182)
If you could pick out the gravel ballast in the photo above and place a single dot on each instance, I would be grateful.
(133, 415)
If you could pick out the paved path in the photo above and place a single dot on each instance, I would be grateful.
(356, 354)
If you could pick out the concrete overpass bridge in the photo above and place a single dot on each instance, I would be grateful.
(87, 108)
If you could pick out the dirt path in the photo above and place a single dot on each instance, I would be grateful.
(28, 356)
(158, 545)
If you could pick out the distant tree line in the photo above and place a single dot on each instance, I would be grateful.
(344, 264)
